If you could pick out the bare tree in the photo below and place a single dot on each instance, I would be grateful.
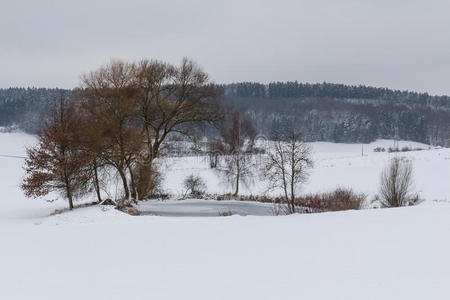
(237, 145)
(288, 164)
(396, 184)
(56, 163)
(108, 96)
(170, 99)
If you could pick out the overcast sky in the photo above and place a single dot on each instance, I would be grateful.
(401, 44)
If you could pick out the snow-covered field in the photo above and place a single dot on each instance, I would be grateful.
(336, 165)
(100, 253)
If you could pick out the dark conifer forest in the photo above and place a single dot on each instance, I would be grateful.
(323, 112)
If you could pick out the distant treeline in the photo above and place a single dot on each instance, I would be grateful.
(294, 89)
(323, 112)
(25, 108)
(343, 113)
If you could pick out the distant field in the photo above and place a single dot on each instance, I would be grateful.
(336, 165)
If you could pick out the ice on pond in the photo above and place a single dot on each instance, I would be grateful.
(205, 208)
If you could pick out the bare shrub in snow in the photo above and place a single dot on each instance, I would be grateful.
(406, 149)
(225, 213)
(339, 199)
(392, 149)
(194, 185)
(344, 199)
(396, 184)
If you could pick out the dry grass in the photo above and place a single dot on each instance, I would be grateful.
(132, 211)
(339, 199)
(225, 213)
(60, 211)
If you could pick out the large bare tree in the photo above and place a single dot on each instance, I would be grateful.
(170, 99)
(108, 97)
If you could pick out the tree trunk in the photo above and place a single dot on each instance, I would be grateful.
(285, 187)
(238, 173)
(292, 203)
(68, 190)
(125, 183)
(292, 195)
(70, 200)
(144, 179)
(283, 171)
(236, 191)
(293, 178)
(133, 185)
(96, 183)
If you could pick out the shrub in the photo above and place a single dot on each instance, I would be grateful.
(194, 185)
(396, 184)
(405, 149)
(257, 198)
(339, 199)
(344, 199)
(225, 213)
(379, 149)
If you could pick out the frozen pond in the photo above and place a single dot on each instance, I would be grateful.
(204, 208)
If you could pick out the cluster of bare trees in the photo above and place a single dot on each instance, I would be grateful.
(285, 165)
(119, 118)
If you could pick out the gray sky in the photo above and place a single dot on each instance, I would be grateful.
(401, 44)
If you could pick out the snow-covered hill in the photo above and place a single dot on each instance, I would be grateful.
(100, 253)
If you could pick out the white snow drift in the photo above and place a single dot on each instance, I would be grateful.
(100, 253)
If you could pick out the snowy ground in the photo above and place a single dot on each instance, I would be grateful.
(336, 165)
(100, 253)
